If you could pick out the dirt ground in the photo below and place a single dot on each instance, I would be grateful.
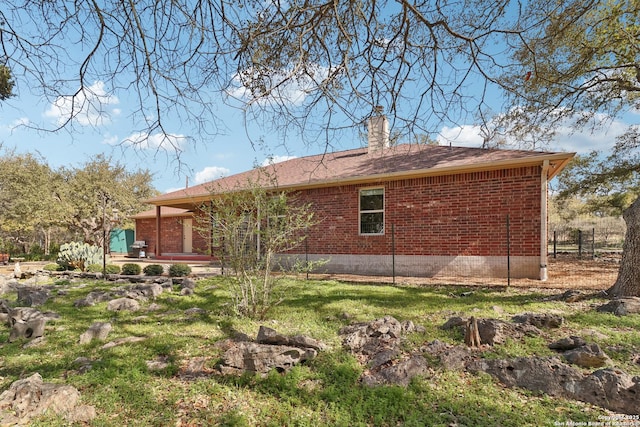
(565, 272)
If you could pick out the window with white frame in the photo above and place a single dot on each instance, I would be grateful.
(372, 211)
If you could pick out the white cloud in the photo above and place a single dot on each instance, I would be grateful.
(92, 106)
(156, 141)
(210, 173)
(567, 138)
(17, 123)
(275, 159)
(110, 139)
(465, 135)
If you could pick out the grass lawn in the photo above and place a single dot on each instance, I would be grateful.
(325, 391)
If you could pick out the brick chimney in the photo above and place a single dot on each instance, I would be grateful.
(378, 131)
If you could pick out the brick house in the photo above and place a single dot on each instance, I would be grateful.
(416, 210)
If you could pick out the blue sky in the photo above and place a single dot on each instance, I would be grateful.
(110, 132)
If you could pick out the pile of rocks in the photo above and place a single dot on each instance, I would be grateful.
(269, 351)
(379, 346)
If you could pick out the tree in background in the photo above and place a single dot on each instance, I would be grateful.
(30, 202)
(6, 83)
(103, 194)
(38, 203)
(584, 69)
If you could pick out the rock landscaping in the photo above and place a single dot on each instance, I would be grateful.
(31, 397)
(270, 350)
(579, 368)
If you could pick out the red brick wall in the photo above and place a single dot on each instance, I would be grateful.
(172, 230)
(146, 230)
(462, 214)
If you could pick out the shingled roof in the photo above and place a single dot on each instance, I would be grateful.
(361, 165)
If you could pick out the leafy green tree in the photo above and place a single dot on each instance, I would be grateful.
(29, 200)
(103, 194)
(6, 83)
(605, 186)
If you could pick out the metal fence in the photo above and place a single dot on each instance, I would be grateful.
(583, 243)
(577, 259)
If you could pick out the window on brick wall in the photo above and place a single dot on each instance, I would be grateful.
(372, 211)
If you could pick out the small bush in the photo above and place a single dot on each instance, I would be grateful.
(179, 270)
(153, 270)
(53, 267)
(112, 269)
(130, 269)
(94, 268)
(109, 268)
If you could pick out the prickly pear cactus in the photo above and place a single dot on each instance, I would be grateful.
(77, 256)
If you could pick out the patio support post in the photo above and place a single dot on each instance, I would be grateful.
(544, 239)
(158, 232)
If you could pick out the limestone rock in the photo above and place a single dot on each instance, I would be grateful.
(123, 304)
(378, 345)
(188, 283)
(98, 331)
(548, 375)
(31, 397)
(93, 298)
(29, 329)
(451, 357)
(611, 389)
(587, 356)
(32, 296)
(368, 338)
(24, 322)
(621, 306)
(493, 331)
(608, 388)
(568, 343)
(144, 291)
(262, 358)
(539, 320)
(268, 335)
(400, 373)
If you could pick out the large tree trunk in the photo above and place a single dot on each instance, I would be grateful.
(628, 282)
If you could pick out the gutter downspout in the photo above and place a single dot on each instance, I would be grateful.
(158, 248)
(543, 221)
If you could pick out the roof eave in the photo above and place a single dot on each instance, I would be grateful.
(557, 161)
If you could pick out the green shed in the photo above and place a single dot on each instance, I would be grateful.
(121, 240)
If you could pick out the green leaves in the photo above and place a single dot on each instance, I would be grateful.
(6, 83)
